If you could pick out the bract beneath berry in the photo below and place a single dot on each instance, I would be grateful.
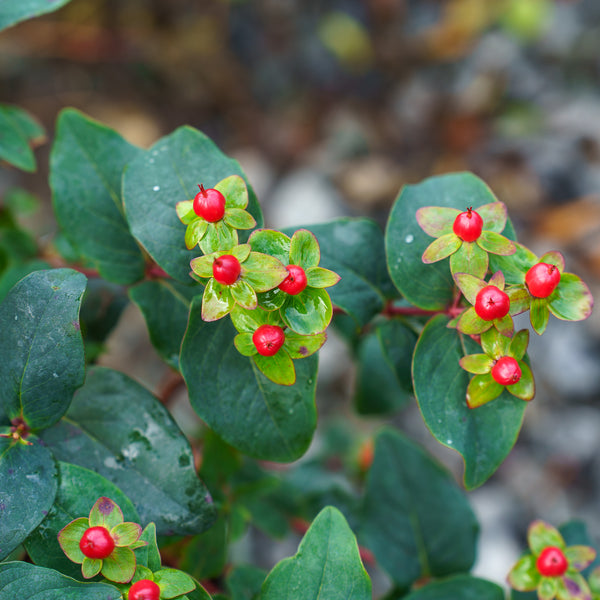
(97, 542)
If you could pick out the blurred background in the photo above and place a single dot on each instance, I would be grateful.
(331, 107)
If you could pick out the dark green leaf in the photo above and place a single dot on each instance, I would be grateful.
(244, 581)
(13, 274)
(248, 411)
(78, 491)
(354, 249)
(384, 380)
(87, 199)
(416, 520)
(18, 128)
(428, 286)
(164, 175)
(459, 587)
(29, 482)
(205, 555)
(327, 565)
(41, 350)
(165, 305)
(118, 429)
(23, 580)
(440, 387)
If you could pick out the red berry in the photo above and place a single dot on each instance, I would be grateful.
(552, 562)
(468, 225)
(268, 339)
(491, 303)
(226, 269)
(96, 542)
(209, 204)
(295, 282)
(541, 279)
(144, 589)
(506, 371)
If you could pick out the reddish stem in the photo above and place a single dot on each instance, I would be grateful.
(153, 271)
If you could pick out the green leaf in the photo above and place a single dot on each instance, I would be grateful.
(580, 557)
(494, 216)
(471, 323)
(24, 580)
(126, 534)
(300, 346)
(41, 350)
(571, 300)
(119, 566)
(90, 567)
(436, 221)
(29, 483)
(148, 555)
(525, 387)
(416, 520)
(495, 344)
(203, 265)
(482, 389)
(539, 314)
(515, 266)
(428, 286)
(541, 534)
(205, 555)
(263, 272)
(547, 588)
(520, 299)
(105, 513)
(354, 249)
(235, 191)
(218, 237)
(173, 582)
(308, 312)
(217, 301)
(441, 248)
(327, 565)
(469, 258)
(194, 232)
(554, 258)
(278, 368)
(476, 363)
(244, 582)
(185, 211)
(458, 587)
(239, 219)
(518, 344)
(165, 305)
(505, 325)
(318, 277)
(269, 241)
(469, 285)
(304, 249)
(250, 320)
(440, 387)
(18, 131)
(69, 537)
(244, 344)
(87, 199)
(384, 382)
(141, 450)
(78, 490)
(524, 576)
(244, 295)
(495, 243)
(231, 395)
(162, 176)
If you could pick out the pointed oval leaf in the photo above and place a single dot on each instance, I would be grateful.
(194, 232)
(554, 258)
(87, 200)
(354, 249)
(505, 325)
(41, 350)
(520, 299)
(327, 565)
(471, 323)
(497, 279)
(203, 265)
(165, 304)
(229, 392)
(105, 513)
(309, 312)
(304, 249)
(185, 211)
(514, 266)
(241, 252)
(470, 258)
(580, 557)
(539, 314)
(476, 363)
(416, 520)
(165, 174)
(126, 533)
(494, 344)
(301, 346)
(525, 387)
(518, 344)
(24, 580)
(318, 277)
(148, 555)
(495, 243)
(524, 575)
(440, 387)
(90, 567)
(482, 389)
(119, 566)
(142, 451)
(244, 344)
(217, 301)
(16, 139)
(441, 248)
(78, 490)
(541, 534)
(278, 368)
(68, 539)
(235, 191)
(429, 286)
(29, 482)
(274, 243)
(469, 285)
(494, 216)
(173, 583)
(572, 299)
(239, 219)
(244, 295)
(458, 587)
(436, 221)
(263, 272)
